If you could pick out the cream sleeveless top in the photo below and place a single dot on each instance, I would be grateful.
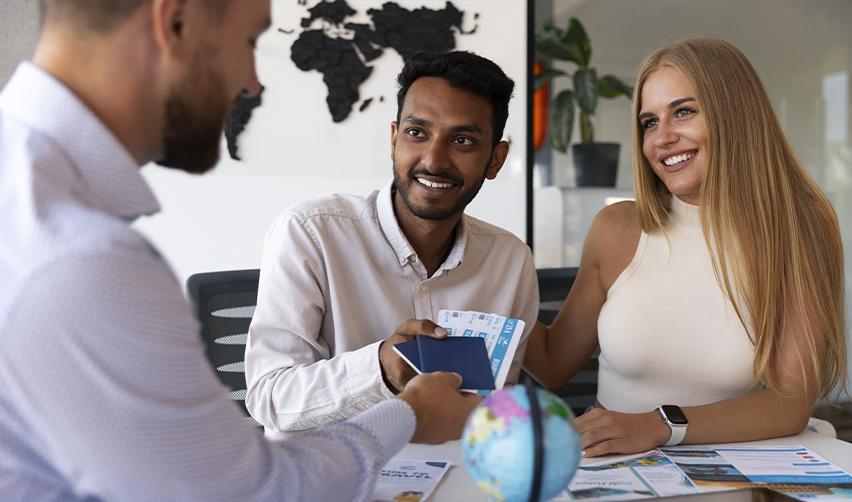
(667, 332)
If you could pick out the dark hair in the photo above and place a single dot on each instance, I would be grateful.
(466, 71)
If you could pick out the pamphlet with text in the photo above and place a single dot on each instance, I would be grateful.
(793, 470)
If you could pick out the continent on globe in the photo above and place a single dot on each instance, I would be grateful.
(238, 119)
(342, 50)
(498, 445)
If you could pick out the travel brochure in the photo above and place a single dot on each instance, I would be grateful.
(409, 480)
(795, 471)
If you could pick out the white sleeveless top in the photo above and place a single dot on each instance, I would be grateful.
(667, 332)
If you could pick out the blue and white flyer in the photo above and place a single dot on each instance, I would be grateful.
(795, 471)
(409, 480)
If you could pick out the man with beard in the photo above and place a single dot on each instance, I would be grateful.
(345, 278)
(106, 391)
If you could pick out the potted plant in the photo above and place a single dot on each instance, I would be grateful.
(596, 164)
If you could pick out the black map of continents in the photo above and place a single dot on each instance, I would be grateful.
(343, 50)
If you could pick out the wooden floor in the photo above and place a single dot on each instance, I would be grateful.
(840, 415)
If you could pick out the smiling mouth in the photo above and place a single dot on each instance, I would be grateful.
(679, 158)
(434, 184)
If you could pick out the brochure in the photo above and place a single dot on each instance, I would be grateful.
(501, 335)
(793, 470)
(646, 475)
(409, 480)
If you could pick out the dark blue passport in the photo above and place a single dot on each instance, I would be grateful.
(410, 353)
(464, 355)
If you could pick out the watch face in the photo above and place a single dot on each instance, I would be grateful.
(674, 414)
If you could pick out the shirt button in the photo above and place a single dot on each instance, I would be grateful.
(424, 289)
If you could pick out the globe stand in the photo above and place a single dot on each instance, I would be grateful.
(538, 440)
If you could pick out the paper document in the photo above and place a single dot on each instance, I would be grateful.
(502, 336)
(793, 470)
(409, 480)
(645, 475)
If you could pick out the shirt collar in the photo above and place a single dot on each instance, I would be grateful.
(39, 100)
(403, 249)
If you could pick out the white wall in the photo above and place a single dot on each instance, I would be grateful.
(18, 33)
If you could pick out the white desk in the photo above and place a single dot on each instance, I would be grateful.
(457, 485)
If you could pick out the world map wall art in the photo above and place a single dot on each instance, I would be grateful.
(345, 41)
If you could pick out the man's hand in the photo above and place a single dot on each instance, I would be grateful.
(440, 408)
(394, 369)
(605, 432)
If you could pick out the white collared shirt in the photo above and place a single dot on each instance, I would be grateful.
(105, 393)
(338, 277)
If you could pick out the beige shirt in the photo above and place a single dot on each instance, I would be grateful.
(338, 277)
(668, 333)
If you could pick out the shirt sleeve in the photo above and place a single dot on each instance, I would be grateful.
(108, 377)
(293, 380)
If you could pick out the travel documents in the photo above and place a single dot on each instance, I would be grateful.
(466, 356)
(500, 335)
(794, 471)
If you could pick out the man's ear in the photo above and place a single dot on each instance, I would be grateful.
(168, 23)
(394, 130)
(498, 157)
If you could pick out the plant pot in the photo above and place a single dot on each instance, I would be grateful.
(595, 164)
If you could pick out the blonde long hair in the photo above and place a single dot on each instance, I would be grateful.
(772, 233)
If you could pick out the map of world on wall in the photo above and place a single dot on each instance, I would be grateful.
(345, 52)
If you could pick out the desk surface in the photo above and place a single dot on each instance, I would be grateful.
(457, 485)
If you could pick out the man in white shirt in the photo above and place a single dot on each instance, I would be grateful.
(344, 278)
(106, 394)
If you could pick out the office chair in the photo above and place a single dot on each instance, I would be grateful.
(553, 286)
(224, 305)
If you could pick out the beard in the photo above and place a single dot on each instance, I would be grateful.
(428, 210)
(195, 116)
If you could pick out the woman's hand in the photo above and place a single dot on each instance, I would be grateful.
(604, 432)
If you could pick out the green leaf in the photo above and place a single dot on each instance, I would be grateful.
(562, 121)
(578, 42)
(609, 86)
(546, 76)
(586, 89)
(550, 42)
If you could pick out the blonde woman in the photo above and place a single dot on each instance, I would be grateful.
(717, 297)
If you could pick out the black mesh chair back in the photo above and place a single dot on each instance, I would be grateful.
(553, 286)
(224, 304)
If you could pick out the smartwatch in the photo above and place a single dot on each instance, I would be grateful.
(673, 417)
